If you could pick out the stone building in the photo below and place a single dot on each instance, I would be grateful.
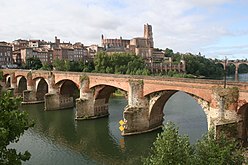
(5, 54)
(44, 55)
(92, 50)
(26, 53)
(17, 57)
(142, 46)
(19, 44)
(34, 43)
(115, 43)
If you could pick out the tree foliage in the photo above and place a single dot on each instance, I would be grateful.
(13, 123)
(33, 63)
(219, 151)
(47, 66)
(74, 66)
(197, 65)
(170, 148)
(120, 63)
(201, 66)
(168, 52)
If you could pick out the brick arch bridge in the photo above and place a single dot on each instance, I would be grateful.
(147, 96)
(235, 63)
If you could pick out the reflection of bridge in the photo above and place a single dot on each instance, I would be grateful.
(146, 96)
(236, 63)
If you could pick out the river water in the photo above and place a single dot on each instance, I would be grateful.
(57, 139)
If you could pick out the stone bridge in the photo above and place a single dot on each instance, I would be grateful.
(236, 63)
(146, 95)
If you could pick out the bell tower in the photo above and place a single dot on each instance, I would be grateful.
(148, 35)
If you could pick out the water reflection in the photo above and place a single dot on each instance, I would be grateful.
(58, 139)
(241, 77)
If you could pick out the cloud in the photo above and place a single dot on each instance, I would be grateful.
(184, 26)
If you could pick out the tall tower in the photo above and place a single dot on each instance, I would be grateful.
(148, 35)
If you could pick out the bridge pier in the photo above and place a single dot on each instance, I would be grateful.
(56, 101)
(87, 107)
(136, 112)
(223, 115)
(53, 99)
(13, 83)
(237, 73)
(29, 95)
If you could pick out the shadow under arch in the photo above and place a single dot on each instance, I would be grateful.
(108, 103)
(41, 90)
(177, 106)
(68, 88)
(101, 94)
(7, 81)
(22, 85)
(105, 91)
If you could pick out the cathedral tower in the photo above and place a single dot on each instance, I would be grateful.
(148, 35)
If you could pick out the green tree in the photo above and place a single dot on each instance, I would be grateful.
(13, 123)
(33, 63)
(170, 148)
(168, 52)
(219, 151)
(47, 66)
(119, 63)
(59, 65)
(201, 66)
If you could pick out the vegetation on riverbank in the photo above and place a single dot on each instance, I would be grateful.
(197, 66)
(13, 123)
(170, 148)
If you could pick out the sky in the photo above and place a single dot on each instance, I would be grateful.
(215, 28)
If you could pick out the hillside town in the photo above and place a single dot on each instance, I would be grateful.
(16, 53)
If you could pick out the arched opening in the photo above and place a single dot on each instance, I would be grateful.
(111, 100)
(42, 89)
(7, 81)
(102, 96)
(243, 111)
(243, 68)
(230, 69)
(69, 89)
(22, 85)
(180, 108)
(243, 72)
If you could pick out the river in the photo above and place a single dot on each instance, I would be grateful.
(57, 139)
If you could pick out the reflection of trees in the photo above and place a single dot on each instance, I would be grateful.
(89, 137)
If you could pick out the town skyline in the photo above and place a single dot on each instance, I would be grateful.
(217, 28)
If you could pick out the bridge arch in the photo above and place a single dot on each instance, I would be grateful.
(68, 88)
(105, 91)
(21, 84)
(7, 80)
(241, 65)
(41, 88)
(158, 99)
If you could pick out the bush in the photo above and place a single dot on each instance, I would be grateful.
(170, 148)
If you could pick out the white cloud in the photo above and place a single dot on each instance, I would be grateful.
(184, 26)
